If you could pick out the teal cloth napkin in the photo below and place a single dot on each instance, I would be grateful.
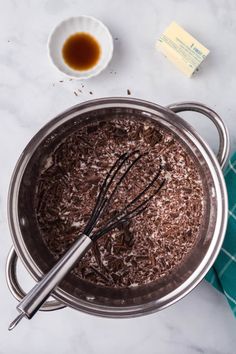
(223, 273)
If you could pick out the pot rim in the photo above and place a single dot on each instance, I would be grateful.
(221, 215)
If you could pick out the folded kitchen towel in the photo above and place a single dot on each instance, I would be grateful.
(223, 273)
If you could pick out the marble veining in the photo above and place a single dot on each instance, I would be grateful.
(32, 92)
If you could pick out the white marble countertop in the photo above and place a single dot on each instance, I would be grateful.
(31, 94)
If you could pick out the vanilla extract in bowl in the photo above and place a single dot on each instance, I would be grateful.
(81, 51)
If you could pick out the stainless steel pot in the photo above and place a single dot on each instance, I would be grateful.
(93, 299)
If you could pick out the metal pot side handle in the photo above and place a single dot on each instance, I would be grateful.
(16, 289)
(215, 118)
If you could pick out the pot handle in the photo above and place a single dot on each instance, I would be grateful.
(15, 287)
(215, 118)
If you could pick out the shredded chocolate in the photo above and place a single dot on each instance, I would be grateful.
(149, 246)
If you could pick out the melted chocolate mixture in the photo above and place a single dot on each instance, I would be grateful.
(144, 249)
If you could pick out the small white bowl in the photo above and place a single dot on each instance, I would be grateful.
(74, 25)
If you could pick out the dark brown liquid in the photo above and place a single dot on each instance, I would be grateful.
(81, 51)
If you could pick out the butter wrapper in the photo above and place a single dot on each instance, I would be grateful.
(182, 49)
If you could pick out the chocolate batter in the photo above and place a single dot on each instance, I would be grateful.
(152, 244)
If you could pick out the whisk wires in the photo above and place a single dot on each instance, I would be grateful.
(109, 187)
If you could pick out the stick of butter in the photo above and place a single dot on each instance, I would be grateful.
(182, 49)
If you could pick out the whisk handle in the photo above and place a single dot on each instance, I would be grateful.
(42, 290)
